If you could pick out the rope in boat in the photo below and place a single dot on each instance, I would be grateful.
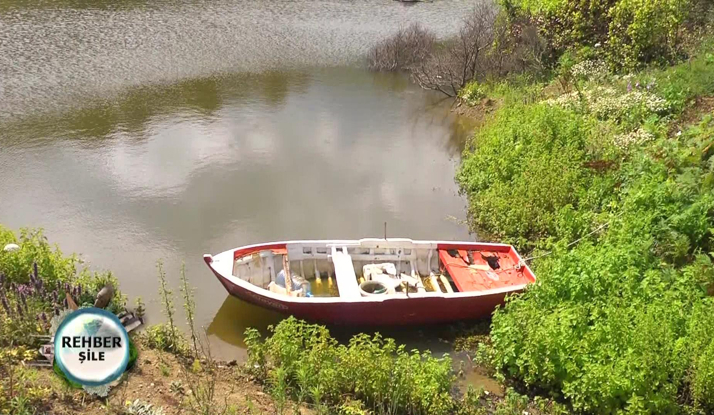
(596, 230)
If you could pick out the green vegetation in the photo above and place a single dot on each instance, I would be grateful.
(369, 375)
(304, 362)
(626, 33)
(621, 321)
(35, 281)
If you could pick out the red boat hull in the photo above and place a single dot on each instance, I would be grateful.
(393, 311)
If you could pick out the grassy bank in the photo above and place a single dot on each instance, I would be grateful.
(620, 321)
(174, 373)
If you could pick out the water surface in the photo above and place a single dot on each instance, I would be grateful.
(136, 131)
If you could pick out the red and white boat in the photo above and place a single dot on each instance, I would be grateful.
(374, 281)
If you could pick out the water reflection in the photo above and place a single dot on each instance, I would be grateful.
(205, 165)
(139, 108)
(232, 319)
(170, 129)
(65, 53)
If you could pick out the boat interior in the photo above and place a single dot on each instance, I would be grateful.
(379, 267)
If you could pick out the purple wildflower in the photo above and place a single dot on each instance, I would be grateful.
(65, 303)
(5, 304)
(34, 271)
(23, 300)
(2, 278)
(79, 290)
(24, 289)
(629, 86)
(56, 311)
(43, 317)
(54, 296)
(20, 311)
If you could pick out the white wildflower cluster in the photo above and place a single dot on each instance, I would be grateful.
(610, 103)
(472, 93)
(628, 76)
(567, 101)
(637, 137)
(589, 69)
(139, 407)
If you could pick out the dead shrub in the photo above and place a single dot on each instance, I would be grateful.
(486, 47)
(401, 50)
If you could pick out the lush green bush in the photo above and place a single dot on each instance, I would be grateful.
(645, 31)
(617, 322)
(303, 361)
(529, 172)
(627, 32)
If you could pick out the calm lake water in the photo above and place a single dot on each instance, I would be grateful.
(134, 131)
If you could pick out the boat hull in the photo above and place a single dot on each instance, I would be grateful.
(393, 311)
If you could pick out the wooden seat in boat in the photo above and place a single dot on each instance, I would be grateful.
(345, 274)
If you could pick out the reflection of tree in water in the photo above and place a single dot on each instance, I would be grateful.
(438, 111)
(132, 110)
(274, 86)
(391, 81)
(460, 131)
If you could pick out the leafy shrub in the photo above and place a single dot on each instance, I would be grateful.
(527, 171)
(645, 31)
(34, 249)
(611, 324)
(303, 361)
(701, 326)
(566, 24)
(628, 32)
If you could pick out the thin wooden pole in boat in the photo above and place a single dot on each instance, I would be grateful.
(385, 230)
(286, 271)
